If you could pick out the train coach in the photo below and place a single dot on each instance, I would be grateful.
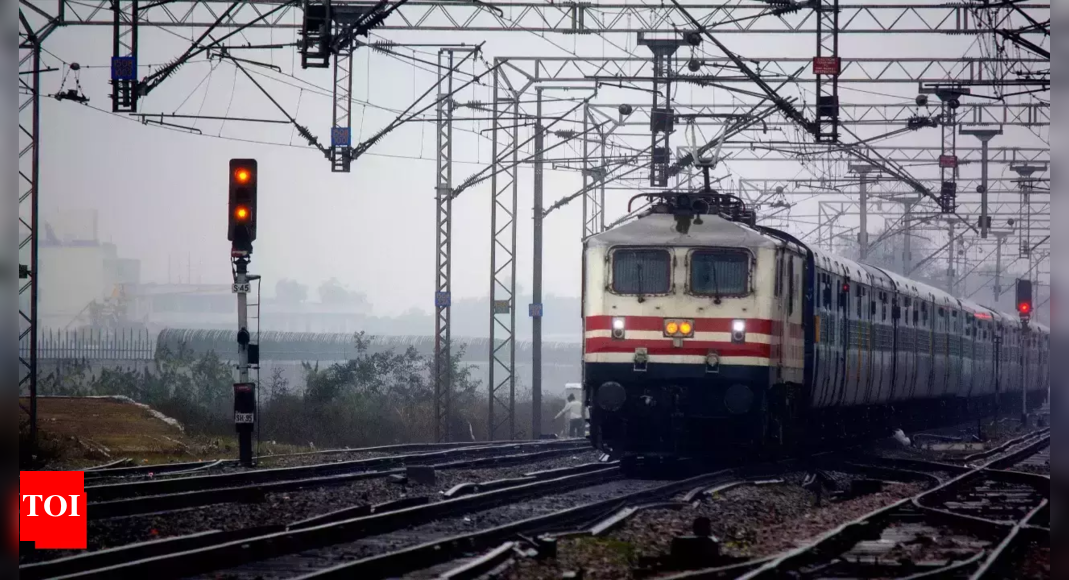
(707, 335)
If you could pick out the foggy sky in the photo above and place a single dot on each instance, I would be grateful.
(162, 194)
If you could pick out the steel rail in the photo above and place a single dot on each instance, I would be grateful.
(256, 492)
(845, 537)
(422, 557)
(198, 483)
(231, 554)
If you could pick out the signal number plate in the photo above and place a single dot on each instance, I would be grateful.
(244, 418)
(240, 288)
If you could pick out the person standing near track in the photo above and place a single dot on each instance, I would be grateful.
(573, 417)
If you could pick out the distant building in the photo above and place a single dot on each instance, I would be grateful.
(77, 270)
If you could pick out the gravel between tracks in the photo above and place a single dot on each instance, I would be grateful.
(298, 564)
(751, 522)
(289, 507)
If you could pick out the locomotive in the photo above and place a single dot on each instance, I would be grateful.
(707, 335)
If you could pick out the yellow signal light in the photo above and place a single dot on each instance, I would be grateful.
(242, 175)
(241, 213)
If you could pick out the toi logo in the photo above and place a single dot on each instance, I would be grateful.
(52, 508)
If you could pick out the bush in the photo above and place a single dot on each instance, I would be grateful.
(373, 399)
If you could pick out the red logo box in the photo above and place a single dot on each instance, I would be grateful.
(52, 509)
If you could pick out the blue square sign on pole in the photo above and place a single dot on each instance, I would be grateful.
(535, 310)
(341, 137)
(123, 68)
(441, 300)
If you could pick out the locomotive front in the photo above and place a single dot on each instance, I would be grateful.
(687, 331)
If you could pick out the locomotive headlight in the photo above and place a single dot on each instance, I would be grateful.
(619, 328)
(685, 328)
(738, 331)
(671, 329)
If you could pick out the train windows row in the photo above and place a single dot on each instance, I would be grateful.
(648, 272)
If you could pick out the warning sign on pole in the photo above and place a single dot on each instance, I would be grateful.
(827, 65)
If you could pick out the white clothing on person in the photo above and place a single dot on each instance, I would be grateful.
(572, 411)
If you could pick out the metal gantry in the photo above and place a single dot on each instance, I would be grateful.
(28, 189)
(923, 18)
(443, 297)
(503, 202)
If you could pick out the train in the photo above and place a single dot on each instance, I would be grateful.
(707, 335)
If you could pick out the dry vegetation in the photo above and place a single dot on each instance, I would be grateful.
(373, 399)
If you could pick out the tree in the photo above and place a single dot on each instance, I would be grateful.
(333, 292)
(290, 291)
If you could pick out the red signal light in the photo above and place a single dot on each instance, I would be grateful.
(1024, 308)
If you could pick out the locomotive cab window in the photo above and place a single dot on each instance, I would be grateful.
(641, 272)
(720, 272)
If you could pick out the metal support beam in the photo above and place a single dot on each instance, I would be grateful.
(915, 18)
(341, 133)
(662, 117)
(594, 173)
(443, 376)
(863, 169)
(29, 148)
(1000, 238)
(124, 82)
(504, 185)
(985, 136)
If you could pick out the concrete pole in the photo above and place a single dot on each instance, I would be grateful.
(536, 310)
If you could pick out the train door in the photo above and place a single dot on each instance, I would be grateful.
(868, 347)
(780, 317)
(883, 346)
(969, 358)
(841, 309)
(853, 355)
(925, 349)
(911, 318)
(957, 350)
(824, 334)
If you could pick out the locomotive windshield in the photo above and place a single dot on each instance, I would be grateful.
(720, 272)
(641, 272)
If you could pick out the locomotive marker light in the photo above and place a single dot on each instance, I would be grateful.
(674, 328)
(619, 328)
(738, 331)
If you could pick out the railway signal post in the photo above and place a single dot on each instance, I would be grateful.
(241, 233)
(1024, 308)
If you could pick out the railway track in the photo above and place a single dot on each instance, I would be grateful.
(156, 504)
(113, 491)
(121, 470)
(214, 551)
(975, 525)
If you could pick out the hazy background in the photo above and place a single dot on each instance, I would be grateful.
(161, 193)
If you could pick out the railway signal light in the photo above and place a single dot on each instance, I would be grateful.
(242, 208)
(1024, 299)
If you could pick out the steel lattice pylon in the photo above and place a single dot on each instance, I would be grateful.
(827, 64)
(124, 85)
(505, 190)
(594, 171)
(443, 378)
(27, 192)
(341, 136)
